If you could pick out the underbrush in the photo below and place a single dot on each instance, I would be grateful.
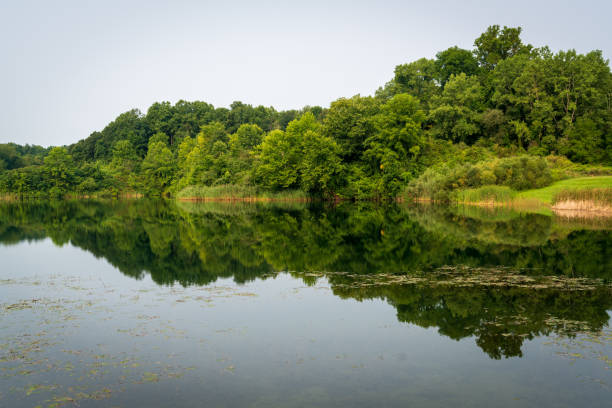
(518, 173)
(562, 168)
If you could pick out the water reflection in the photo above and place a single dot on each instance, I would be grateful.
(497, 275)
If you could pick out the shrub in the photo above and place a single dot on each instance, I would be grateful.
(518, 173)
(562, 168)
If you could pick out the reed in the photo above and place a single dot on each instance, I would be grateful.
(595, 195)
(485, 195)
(238, 193)
(595, 201)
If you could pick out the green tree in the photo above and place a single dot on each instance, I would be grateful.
(495, 45)
(127, 126)
(349, 122)
(320, 168)
(159, 137)
(211, 133)
(549, 94)
(9, 157)
(455, 114)
(158, 168)
(418, 78)
(125, 164)
(281, 156)
(248, 136)
(159, 119)
(393, 152)
(60, 170)
(455, 61)
(277, 161)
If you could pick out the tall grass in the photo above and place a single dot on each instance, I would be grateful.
(547, 194)
(595, 195)
(486, 194)
(238, 192)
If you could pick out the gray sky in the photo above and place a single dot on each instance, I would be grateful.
(70, 67)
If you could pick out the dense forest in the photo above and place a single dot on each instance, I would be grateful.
(505, 113)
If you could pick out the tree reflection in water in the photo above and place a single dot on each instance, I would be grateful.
(499, 276)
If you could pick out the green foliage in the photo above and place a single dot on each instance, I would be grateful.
(563, 168)
(558, 103)
(14, 156)
(158, 168)
(9, 158)
(455, 113)
(392, 153)
(320, 168)
(213, 132)
(277, 165)
(416, 78)
(159, 137)
(455, 61)
(213, 159)
(128, 126)
(125, 164)
(60, 170)
(350, 122)
(248, 136)
(518, 173)
(495, 45)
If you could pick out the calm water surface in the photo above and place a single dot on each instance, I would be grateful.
(157, 304)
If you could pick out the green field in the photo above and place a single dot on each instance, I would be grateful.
(547, 194)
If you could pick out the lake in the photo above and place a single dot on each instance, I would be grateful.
(157, 304)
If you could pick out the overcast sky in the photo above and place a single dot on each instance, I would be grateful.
(70, 67)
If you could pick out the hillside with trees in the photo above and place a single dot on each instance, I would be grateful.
(505, 113)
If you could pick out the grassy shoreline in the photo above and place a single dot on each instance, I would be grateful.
(233, 193)
(581, 195)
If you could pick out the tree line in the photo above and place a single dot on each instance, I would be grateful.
(502, 99)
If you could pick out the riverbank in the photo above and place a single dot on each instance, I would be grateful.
(236, 193)
(576, 197)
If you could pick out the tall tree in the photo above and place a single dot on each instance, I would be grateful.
(455, 61)
(495, 45)
(158, 168)
(455, 114)
(349, 122)
(418, 78)
(60, 170)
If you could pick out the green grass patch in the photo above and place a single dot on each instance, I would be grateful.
(547, 194)
(588, 191)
